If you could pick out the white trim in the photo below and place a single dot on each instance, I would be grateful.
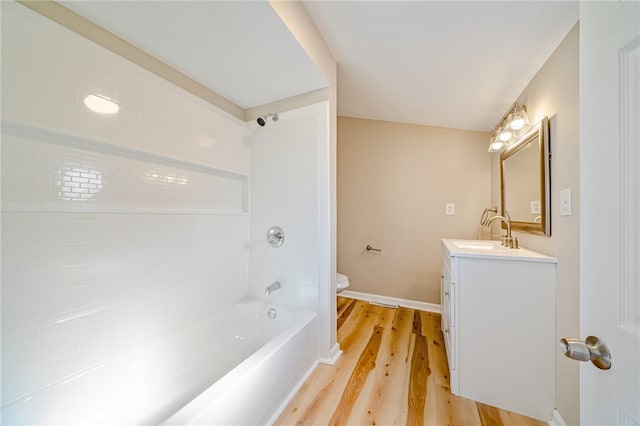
(629, 157)
(557, 419)
(288, 104)
(334, 355)
(387, 300)
(292, 394)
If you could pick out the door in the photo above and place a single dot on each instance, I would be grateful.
(610, 208)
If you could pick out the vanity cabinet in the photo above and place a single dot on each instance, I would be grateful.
(499, 325)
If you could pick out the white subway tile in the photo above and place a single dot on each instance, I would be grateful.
(82, 283)
(49, 370)
(54, 342)
(18, 305)
(18, 349)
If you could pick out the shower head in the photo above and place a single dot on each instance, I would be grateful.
(262, 120)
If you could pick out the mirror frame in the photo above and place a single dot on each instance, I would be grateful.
(540, 132)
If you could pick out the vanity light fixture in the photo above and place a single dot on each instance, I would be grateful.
(101, 104)
(513, 124)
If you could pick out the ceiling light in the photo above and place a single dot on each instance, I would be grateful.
(101, 104)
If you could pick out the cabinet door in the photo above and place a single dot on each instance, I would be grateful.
(506, 334)
(447, 314)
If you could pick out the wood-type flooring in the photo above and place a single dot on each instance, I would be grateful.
(393, 371)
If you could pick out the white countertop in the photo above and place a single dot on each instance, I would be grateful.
(493, 250)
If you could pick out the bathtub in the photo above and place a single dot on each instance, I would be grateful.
(282, 352)
(237, 366)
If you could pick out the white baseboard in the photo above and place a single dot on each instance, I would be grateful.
(334, 355)
(292, 394)
(386, 300)
(557, 419)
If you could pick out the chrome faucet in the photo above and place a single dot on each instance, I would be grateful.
(271, 288)
(507, 240)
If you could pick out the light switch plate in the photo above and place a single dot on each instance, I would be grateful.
(566, 208)
(449, 209)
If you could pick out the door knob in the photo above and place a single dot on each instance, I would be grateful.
(592, 349)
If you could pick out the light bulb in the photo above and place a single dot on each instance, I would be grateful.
(505, 134)
(518, 120)
(517, 123)
(496, 145)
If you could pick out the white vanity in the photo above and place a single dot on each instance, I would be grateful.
(499, 325)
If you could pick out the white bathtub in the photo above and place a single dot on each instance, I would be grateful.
(235, 367)
(269, 357)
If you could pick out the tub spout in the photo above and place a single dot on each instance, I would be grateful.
(271, 288)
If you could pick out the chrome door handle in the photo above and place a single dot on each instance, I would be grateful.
(592, 349)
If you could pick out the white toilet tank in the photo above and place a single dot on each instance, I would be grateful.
(342, 282)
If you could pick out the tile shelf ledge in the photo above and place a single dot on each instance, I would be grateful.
(30, 131)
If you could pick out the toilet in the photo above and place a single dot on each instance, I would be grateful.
(342, 282)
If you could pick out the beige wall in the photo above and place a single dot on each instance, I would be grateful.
(554, 92)
(393, 182)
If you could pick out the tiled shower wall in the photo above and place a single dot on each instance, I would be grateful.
(285, 186)
(115, 230)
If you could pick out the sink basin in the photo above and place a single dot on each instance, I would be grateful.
(479, 245)
(491, 249)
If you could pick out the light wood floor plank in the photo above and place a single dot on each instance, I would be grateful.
(418, 383)
(389, 384)
(344, 310)
(393, 371)
(314, 405)
(365, 364)
(510, 418)
(489, 416)
(437, 354)
(342, 303)
(455, 411)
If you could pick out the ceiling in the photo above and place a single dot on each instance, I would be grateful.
(239, 49)
(443, 63)
(454, 64)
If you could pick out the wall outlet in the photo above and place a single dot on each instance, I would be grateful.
(449, 209)
(535, 207)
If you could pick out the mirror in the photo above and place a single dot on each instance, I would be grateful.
(524, 181)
